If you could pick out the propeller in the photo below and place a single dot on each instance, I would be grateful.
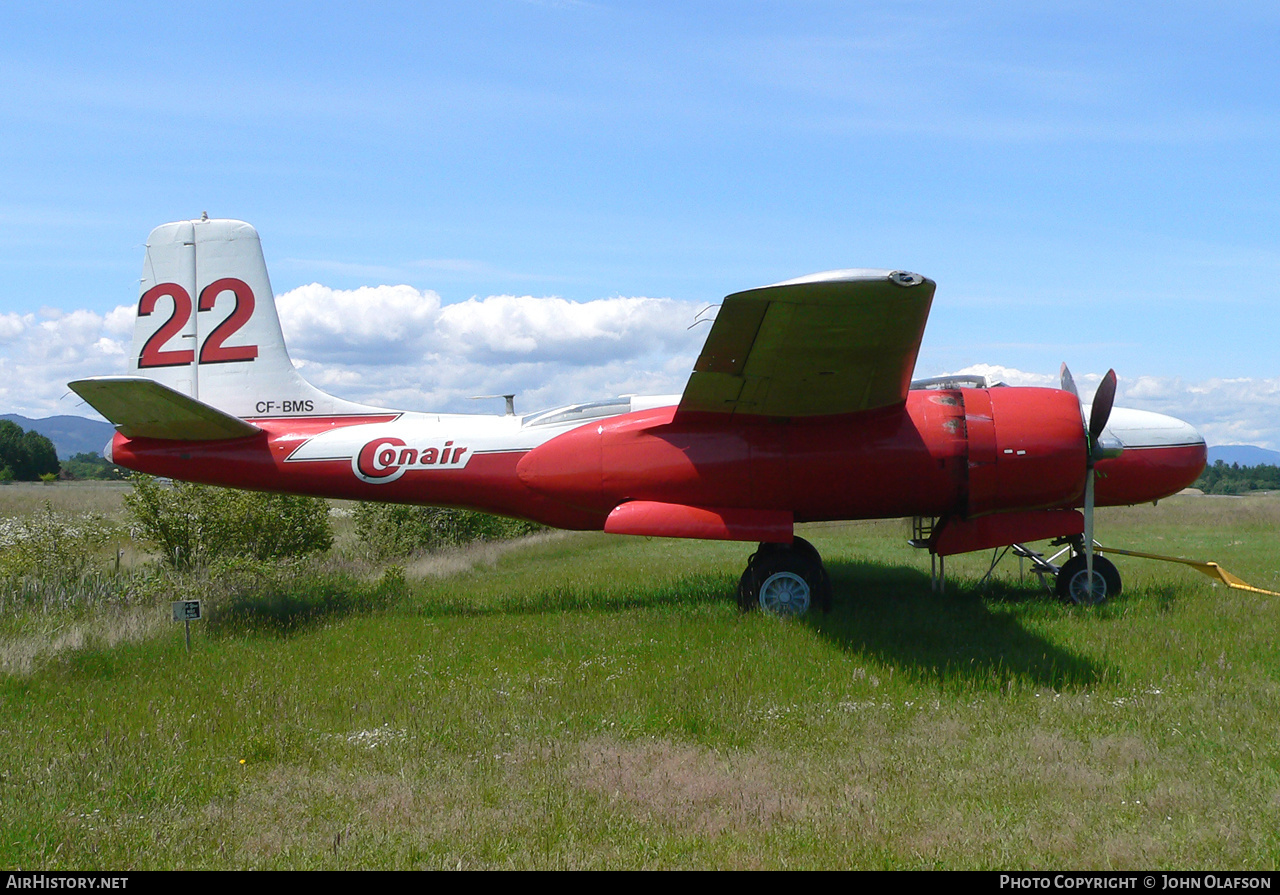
(1099, 413)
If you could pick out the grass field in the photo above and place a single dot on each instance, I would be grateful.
(587, 701)
(20, 498)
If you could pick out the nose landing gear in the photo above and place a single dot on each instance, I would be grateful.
(1073, 585)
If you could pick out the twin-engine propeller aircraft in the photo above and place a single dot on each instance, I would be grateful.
(800, 408)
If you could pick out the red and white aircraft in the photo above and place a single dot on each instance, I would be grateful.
(800, 408)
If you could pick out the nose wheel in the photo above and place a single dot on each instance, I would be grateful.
(785, 579)
(1073, 584)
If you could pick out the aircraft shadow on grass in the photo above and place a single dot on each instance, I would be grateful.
(290, 607)
(891, 614)
(883, 612)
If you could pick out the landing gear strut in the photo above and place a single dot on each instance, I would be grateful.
(785, 579)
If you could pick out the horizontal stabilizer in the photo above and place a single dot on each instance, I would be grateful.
(673, 520)
(143, 408)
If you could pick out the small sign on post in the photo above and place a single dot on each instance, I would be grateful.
(186, 611)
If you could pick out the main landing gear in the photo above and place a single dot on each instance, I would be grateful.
(785, 579)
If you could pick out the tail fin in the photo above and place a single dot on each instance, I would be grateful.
(207, 325)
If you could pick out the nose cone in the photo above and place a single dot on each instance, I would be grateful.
(1162, 455)
(1142, 428)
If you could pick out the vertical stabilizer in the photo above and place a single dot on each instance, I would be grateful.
(207, 325)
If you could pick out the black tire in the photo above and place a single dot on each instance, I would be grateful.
(785, 579)
(822, 594)
(800, 545)
(1071, 586)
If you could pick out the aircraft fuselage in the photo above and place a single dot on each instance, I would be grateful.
(949, 452)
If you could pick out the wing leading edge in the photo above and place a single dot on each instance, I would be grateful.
(844, 341)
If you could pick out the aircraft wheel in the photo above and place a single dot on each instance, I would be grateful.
(747, 584)
(785, 593)
(822, 582)
(1072, 586)
(804, 548)
(783, 579)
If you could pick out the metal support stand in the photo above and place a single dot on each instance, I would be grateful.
(922, 531)
(995, 560)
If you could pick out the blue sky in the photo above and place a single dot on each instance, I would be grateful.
(1089, 182)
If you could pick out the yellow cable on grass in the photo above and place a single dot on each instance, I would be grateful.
(1212, 569)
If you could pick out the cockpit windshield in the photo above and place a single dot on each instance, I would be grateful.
(579, 413)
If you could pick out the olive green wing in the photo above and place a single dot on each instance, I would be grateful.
(839, 342)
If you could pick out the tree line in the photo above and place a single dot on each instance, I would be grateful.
(25, 456)
(28, 456)
(1236, 479)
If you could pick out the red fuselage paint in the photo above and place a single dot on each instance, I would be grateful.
(961, 453)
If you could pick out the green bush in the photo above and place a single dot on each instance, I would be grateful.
(388, 530)
(52, 546)
(92, 466)
(191, 525)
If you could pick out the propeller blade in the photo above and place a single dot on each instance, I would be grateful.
(1101, 410)
(1068, 383)
(1099, 413)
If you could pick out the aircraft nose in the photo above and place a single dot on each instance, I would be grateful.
(1162, 455)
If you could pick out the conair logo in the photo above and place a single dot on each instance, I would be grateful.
(386, 459)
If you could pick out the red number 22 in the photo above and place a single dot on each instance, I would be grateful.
(213, 351)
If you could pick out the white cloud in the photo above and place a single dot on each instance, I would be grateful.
(1226, 411)
(387, 322)
(509, 327)
(397, 346)
(1009, 376)
(40, 353)
(120, 321)
(13, 325)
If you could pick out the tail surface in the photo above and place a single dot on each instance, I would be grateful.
(207, 329)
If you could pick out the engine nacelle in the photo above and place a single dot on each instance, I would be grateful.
(1026, 449)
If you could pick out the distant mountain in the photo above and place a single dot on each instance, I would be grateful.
(70, 435)
(1244, 454)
